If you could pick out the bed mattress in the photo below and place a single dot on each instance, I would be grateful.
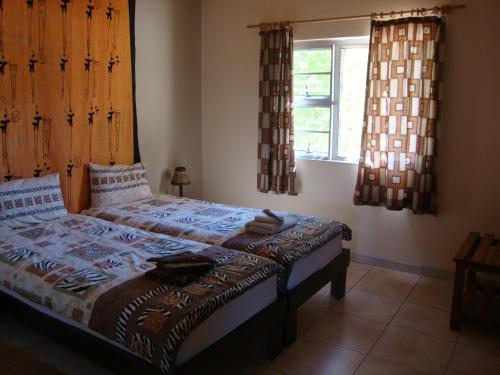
(90, 272)
(219, 324)
(224, 225)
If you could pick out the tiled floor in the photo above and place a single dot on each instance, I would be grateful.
(390, 322)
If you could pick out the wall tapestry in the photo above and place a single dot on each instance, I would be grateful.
(65, 90)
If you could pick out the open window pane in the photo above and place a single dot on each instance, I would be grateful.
(352, 99)
(312, 143)
(317, 60)
(311, 118)
(310, 85)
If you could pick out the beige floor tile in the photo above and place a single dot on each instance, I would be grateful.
(239, 366)
(368, 306)
(431, 292)
(480, 338)
(415, 350)
(323, 298)
(387, 283)
(376, 366)
(355, 272)
(467, 360)
(427, 320)
(346, 330)
(310, 356)
(309, 313)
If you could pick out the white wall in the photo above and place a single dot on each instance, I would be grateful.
(168, 76)
(469, 170)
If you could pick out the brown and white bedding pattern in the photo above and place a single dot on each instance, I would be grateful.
(92, 271)
(223, 225)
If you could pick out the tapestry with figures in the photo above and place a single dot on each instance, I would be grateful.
(65, 90)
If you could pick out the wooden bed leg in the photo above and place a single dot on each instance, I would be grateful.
(290, 334)
(458, 294)
(337, 286)
(274, 341)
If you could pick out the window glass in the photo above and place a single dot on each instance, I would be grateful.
(310, 85)
(311, 118)
(316, 60)
(353, 62)
(315, 143)
(329, 101)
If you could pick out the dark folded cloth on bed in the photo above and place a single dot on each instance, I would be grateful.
(184, 257)
(180, 269)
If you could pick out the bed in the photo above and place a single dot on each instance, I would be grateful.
(86, 275)
(311, 252)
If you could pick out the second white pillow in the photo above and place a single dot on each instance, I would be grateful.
(110, 185)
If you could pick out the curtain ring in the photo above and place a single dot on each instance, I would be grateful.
(391, 14)
(373, 16)
(436, 10)
(381, 14)
(412, 12)
(423, 11)
(401, 13)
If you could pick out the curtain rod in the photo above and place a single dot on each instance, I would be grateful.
(444, 9)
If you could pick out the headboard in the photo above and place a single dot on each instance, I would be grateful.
(65, 90)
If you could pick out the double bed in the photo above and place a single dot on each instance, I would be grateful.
(87, 275)
(311, 252)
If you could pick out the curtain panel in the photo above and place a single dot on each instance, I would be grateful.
(398, 145)
(276, 158)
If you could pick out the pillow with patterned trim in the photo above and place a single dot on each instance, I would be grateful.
(31, 200)
(117, 184)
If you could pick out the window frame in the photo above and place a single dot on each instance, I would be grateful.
(331, 101)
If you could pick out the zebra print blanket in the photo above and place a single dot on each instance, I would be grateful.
(223, 225)
(92, 271)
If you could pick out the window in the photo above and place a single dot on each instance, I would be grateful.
(329, 97)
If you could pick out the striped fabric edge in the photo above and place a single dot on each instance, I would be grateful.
(197, 316)
(29, 190)
(109, 190)
(33, 212)
(114, 171)
(309, 246)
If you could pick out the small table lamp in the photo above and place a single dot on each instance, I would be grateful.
(180, 179)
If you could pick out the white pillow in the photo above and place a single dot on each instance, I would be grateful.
(117, 184)
(31, 200)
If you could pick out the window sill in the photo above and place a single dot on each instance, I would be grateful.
(341, 161)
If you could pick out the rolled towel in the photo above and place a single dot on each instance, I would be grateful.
(271, 228)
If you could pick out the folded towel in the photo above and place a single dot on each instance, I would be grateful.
(271, 214)
(179, 269)
(268, 219)
(271, 228)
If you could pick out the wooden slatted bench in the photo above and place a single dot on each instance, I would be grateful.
(477, 254)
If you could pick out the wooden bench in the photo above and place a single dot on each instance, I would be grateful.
(477, 254)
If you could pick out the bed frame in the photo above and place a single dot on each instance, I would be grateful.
(267, 322)
(334, 272)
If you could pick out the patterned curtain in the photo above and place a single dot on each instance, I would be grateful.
(398, 148)
(276, 158)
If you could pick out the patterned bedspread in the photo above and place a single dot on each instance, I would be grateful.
(92, 271)
(222, 225)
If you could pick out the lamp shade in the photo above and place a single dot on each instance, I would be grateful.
(181, 177)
